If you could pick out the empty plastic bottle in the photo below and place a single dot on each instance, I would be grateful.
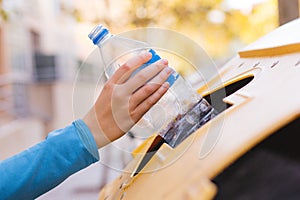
(116, 50)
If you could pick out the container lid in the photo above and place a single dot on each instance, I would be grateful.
(98, 33)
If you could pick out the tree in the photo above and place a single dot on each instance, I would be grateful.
(3, 14)
(208, 22)
(219, 29)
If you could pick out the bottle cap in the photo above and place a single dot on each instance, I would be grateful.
(98, 33)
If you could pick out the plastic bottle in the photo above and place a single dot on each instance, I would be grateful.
(116, 50)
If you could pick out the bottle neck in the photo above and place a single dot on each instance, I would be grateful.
(104, 39)
(99, 35)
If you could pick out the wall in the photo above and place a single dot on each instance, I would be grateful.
(19, 135)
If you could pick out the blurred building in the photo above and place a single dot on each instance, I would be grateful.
(37, 66)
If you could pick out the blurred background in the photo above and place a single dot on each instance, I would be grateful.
(43, 44)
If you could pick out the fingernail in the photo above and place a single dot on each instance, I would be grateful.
(166, 85)
(145, 53)
(168, 70)
(164, 61)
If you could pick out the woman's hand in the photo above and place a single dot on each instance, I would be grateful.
(123, 100)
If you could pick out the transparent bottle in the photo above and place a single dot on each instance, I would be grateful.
(116, 50)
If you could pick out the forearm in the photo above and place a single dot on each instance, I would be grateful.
(45, 165)
(90, 119)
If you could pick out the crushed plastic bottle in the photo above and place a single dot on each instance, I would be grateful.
(180, 98)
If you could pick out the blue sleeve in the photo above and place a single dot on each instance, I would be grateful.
(42, 167)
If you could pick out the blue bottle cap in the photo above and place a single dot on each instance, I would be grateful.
(98, 33)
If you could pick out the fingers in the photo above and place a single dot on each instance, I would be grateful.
(124, 72)
(144, 106)
(145, 75)
(148, 89)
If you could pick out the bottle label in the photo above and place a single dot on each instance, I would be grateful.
(155, 57)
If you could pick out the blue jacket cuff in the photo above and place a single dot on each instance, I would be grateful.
(86, 137)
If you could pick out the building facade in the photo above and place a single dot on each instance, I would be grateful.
(38, 53)
(38, 63)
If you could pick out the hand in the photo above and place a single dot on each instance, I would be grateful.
(123, 100)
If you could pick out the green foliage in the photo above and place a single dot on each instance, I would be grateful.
(220, 30)
(3, 14)
(191, 17)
